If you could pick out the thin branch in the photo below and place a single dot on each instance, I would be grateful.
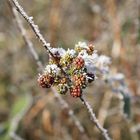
(36, 30)
(45, 44)
(32, 50)
(32, 24)
(26, 39)
(94, 119)
(106, 101)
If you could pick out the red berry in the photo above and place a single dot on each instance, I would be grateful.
(76, 91)
(79, 80)
(79, 62)
(45, 81)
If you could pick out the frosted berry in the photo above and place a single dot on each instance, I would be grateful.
(62, 88)
(79, 62)
(76, 91)
(65, 61)
(45, 81)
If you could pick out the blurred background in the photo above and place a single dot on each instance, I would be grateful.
(113, 26)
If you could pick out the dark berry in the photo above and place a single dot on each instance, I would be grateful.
(91, 77)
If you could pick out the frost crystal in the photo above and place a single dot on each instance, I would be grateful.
(60, 51)
(88, 58)
(52, 69)
(103, 62)
(117, 77)
(31, 18)
(48, 45)
(71, 52)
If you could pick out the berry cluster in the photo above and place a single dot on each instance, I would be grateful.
(78, 64)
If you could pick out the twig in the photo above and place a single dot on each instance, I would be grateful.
(45, 44)
(104, 107)
(27, 41)
(32, 24)
(94, 119)
(40, 66)
(36, 30)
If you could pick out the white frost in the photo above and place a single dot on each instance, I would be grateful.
(71, 52)
(103, 62)
(52, 69)
(61, 51)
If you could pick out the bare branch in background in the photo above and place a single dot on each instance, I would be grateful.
(104, 107)
(55, 21)
(115, 22)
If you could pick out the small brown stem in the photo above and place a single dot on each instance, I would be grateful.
(94, 119)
